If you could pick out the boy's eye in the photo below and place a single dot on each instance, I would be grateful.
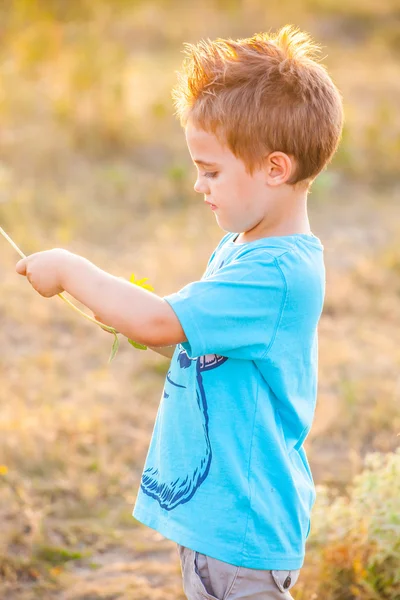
(211, 175)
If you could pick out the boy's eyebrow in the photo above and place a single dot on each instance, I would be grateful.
(204, 163)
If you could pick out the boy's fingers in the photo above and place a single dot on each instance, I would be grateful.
(20, 267)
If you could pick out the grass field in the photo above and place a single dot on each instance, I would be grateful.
(93, 160)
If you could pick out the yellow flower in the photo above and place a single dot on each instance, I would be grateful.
(140, 283)
(3, 470)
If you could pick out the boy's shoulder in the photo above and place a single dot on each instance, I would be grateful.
(295, 260)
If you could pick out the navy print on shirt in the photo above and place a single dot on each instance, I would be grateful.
(170, 493)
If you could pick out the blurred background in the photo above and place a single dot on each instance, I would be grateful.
(92, 159)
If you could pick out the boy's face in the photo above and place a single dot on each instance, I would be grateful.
(243, 202)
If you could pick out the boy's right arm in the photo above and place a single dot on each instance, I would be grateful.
(166, 351)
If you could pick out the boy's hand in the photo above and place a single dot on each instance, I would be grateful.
(43, 270)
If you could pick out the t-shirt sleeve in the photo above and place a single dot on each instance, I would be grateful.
(235, 312)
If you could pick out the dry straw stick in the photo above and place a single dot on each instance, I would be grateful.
(105, 327)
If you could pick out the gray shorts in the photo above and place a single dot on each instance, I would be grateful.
(206, 578)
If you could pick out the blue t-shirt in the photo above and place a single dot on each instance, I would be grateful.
(226, 472)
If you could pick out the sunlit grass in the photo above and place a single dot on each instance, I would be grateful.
(92, 159)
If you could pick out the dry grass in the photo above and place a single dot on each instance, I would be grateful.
(92, 159)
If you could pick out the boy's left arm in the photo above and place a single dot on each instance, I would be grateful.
(135, 312)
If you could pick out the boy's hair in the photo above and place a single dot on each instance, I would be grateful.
(262, 94)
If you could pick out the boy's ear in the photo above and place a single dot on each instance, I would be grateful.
(279, 168)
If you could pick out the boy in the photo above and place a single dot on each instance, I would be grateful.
(226, 475)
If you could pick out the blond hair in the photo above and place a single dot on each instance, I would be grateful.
(262, 94)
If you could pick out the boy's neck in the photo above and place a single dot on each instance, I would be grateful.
(299, 224)
(285, 214)
(246, 236)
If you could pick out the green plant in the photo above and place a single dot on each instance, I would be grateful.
(357, 538)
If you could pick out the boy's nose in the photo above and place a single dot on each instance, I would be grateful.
(201, 187)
